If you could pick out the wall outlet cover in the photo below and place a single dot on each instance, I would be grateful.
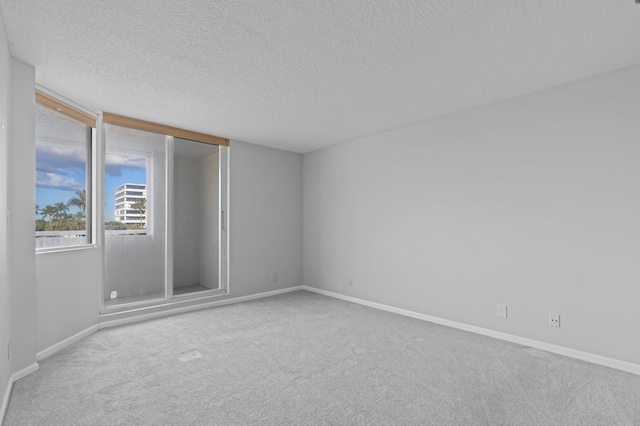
(502, 311)
(554, 320)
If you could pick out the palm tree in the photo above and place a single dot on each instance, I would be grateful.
(141, 206)
(47, 211)
(40, 223)
(80, 200)
(60, 211)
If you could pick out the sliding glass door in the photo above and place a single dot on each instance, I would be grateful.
(135, 197)
(163, 209)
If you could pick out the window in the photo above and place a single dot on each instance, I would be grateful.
(63, 174)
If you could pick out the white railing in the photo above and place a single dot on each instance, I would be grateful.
(61, 234)
(52, 239)
(82, 233)
(109, 232)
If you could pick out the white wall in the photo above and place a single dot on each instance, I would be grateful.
(532, 202)
(21, 203)
(265, 219)
(5, 314)
(67, 294)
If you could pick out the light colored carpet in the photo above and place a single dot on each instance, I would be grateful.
(302, 358)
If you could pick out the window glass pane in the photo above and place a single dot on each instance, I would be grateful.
(62, 153)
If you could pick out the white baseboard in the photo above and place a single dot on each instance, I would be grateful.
(560, 350)
(12, 379)
(24, 372)
(66, 342)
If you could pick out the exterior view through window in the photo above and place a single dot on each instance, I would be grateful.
(63, 173)
(125, 194)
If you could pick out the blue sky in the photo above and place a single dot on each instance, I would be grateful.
(61, 171)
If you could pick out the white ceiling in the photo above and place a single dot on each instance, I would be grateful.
(301, 75)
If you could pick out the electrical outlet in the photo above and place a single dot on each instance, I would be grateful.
(114, 294)
(502, 311)
(275, 277)
(554, 320)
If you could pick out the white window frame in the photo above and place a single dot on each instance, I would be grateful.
(72, 111)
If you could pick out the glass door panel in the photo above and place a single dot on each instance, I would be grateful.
(135, 216)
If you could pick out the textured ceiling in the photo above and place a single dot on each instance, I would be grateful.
(301, 75)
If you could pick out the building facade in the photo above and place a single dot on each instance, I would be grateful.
(130, 197)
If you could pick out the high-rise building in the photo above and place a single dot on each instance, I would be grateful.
(128, 196)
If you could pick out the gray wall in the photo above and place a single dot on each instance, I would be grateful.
(5, 307)
(21, 202)
(532, 202)
(67, 294)
(265, 219)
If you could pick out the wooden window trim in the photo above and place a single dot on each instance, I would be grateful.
(147, 126)
(50, 102)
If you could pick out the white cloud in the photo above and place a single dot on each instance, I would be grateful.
(59, 159)
(115, 164)
(56, 181)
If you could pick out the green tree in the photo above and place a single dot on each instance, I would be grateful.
(47, 212)
(60, 217)
(80, 200)
(60, 211)
(141, 206)
(40, 225)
